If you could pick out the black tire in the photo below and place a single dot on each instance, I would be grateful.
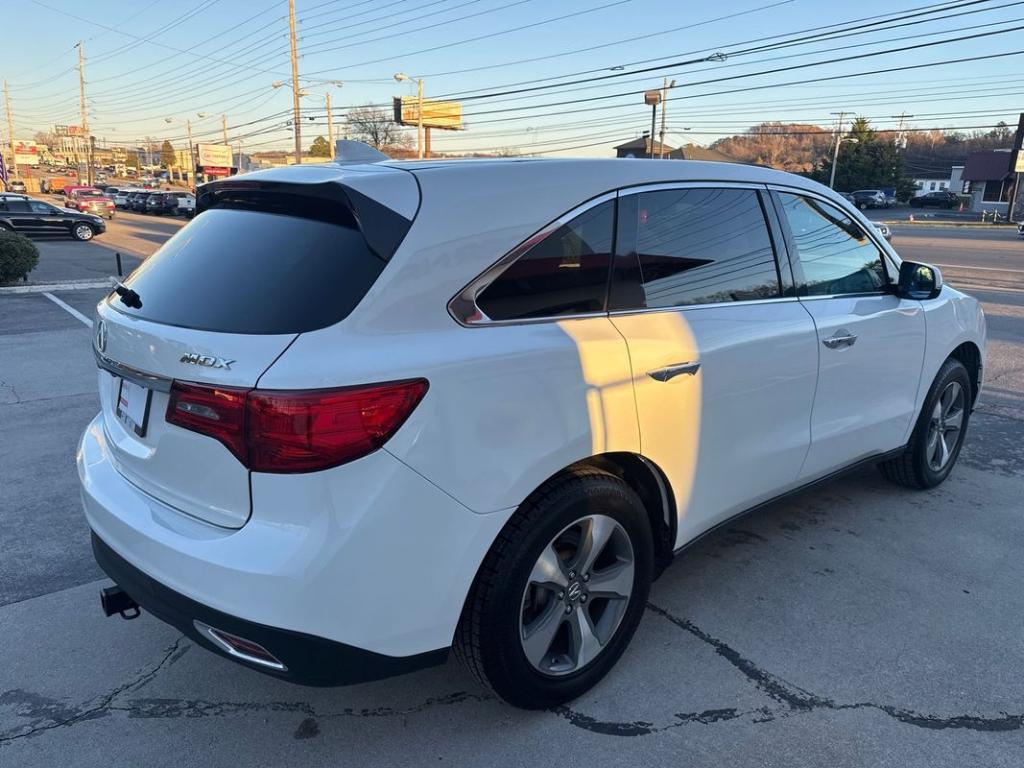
(911, 469)
(488, 637)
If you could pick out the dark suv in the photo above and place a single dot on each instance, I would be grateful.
(35, 217)
(941, 199)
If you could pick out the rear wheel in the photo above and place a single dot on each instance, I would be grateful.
(82, 232)
(939, 433)
(561, 592)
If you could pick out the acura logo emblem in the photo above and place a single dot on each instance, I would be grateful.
(101, 336)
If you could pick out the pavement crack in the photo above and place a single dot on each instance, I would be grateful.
(799, 701)
(47, 714)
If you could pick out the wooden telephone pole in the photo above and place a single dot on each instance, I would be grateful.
(10, 130)
(84, 113)
(297, 118)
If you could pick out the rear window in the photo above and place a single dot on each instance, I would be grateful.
(254, 272)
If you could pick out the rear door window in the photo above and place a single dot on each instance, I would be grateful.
(566, 273)
(255, 272)
(687, 246)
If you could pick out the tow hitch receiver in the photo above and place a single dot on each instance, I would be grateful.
(116, 600)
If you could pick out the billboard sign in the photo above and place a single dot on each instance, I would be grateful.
(26, 153)
(446, 115)
(214, 155)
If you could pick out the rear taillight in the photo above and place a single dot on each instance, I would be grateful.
(285, 431)
(215, 411)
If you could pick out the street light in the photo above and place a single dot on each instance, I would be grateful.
(327, 97)
(835, 158)
(191, 151)
(401, 77)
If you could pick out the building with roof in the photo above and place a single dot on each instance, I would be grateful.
(988, 179)
(641, 147)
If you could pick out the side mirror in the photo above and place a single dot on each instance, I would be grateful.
(919, 281)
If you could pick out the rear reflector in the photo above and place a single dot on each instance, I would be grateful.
(286, 431)
(240, 647)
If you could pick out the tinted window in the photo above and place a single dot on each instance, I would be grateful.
(17, 206)
(38, 207)
(564, 274)
(246, 271)
(680, 247)
(832, 249)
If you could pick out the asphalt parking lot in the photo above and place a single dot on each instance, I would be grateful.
(856, 624)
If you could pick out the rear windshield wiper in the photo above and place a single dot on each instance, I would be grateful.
(128, 297)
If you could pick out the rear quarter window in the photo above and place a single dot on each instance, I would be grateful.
(255, 272)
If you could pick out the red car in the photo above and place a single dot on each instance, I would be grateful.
(96, 204)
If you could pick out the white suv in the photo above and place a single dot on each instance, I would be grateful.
(354, 415)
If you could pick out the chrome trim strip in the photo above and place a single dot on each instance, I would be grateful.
(148, 380)
(666, 185)
(207, 631)
(462, 307)
(686, 307)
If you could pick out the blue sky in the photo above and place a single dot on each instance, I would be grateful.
(152, 64)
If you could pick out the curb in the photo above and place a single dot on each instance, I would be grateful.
(59, 285)
(926, 223)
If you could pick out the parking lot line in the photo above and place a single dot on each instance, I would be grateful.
(972, 267)
(69, 309)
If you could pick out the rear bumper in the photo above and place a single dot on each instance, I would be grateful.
(308, 660)
(368, 555)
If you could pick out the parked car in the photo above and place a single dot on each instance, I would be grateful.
(940, 199)
(883, 230)
(72, 193)
(16, 185)
(1020, 229)
(171, 203)
(869, 198)
(848, 197)
(101, 205)
(588, 365)
(137, 200)
(121, 196)
(29, 216)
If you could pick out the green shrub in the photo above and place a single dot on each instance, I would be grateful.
(18, 256)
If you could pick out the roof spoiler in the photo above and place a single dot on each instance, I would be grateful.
(347, 152)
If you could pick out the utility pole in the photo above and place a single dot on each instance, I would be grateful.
(419, 119)
(901, 137)
(664, 104)
(191, 153)
(330, 125)
(82, 110)
(297, 118)
(10, 129)
(224, 127)
(835, 152)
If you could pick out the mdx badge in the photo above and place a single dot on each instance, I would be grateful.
(207, 361)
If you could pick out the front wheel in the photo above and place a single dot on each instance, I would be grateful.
(561, 592)
(82, 232)
(939, 433)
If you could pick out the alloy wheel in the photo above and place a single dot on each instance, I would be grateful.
(576, 595)
(945, 427)
(83, 232)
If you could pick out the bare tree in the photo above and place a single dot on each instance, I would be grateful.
(376, 128)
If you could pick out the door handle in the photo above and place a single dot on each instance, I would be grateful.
(671, 371)
(841, 338)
